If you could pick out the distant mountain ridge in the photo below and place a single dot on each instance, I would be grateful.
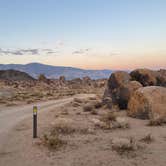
(35, 69)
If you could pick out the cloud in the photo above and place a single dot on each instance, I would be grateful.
(27, 51)
(81, 51)
(19, 52)
(49, 51)
(30, 51)
(16, 52)
(46, 49)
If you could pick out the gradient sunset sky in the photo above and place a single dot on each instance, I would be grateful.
(90, 34)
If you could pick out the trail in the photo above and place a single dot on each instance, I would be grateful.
(11, 116)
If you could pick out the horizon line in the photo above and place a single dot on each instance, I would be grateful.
(158, 68)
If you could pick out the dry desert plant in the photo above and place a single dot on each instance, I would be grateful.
(53, 141)
(110, 116)
(88, 108)
(94, 112)
(112, 121)
(156, 122)
(98, 104)
(66, 127)
(147, 139)
(124, 145)
(62, 128)
(78, 100)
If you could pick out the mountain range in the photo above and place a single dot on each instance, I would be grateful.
(35, 69)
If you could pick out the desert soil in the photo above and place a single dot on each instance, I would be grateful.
(82, 149)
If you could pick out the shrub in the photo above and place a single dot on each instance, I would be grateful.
(98, 104)
(78, 100)
(64, 111)
(88, 108)
(62, 129)
(94, 112)
(75, 104)
(147, 139)
(111, 121)
(157, 122)
(110, 116)
(124, 145)
(53, 141)
(66, 128)
(121, 122)
(92, 98)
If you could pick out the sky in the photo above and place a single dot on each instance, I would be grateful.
(89, 34)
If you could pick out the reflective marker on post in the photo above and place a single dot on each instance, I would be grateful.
(35, 122)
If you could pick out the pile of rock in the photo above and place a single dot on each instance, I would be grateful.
(149, 77)
(119, 89)
(142, 92)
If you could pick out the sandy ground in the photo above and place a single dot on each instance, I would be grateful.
(82, 149)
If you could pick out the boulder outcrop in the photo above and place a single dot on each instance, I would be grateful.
(148, 103)
(119, 89)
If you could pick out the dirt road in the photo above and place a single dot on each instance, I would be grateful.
(11, 116)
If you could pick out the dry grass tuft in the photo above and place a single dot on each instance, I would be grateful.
(94, 112)
(77, 100)
(30, 101)
(112, 121)
(88, 108)
(125, 146)
(75, 104)
(53, 141)
(62, 129)
(147, 139)
(92, 98)
(65, 127)
(157, 122)
(110, 116)
(98, 104)
(64, 111)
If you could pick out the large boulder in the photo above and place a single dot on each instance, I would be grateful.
(42, 78)
(62, 79)
(148, 103)
(161, 77)
(118, 89)
(118, 78)
(87, 80)
(145, 76)
(125, 92)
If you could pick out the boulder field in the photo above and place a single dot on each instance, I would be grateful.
(142, 92)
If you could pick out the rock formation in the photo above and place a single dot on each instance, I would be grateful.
(148, 103)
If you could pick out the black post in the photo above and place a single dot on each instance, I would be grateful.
(35, 122)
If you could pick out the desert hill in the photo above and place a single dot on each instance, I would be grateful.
(14, 75)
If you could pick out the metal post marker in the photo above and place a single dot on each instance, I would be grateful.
(35, 122)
